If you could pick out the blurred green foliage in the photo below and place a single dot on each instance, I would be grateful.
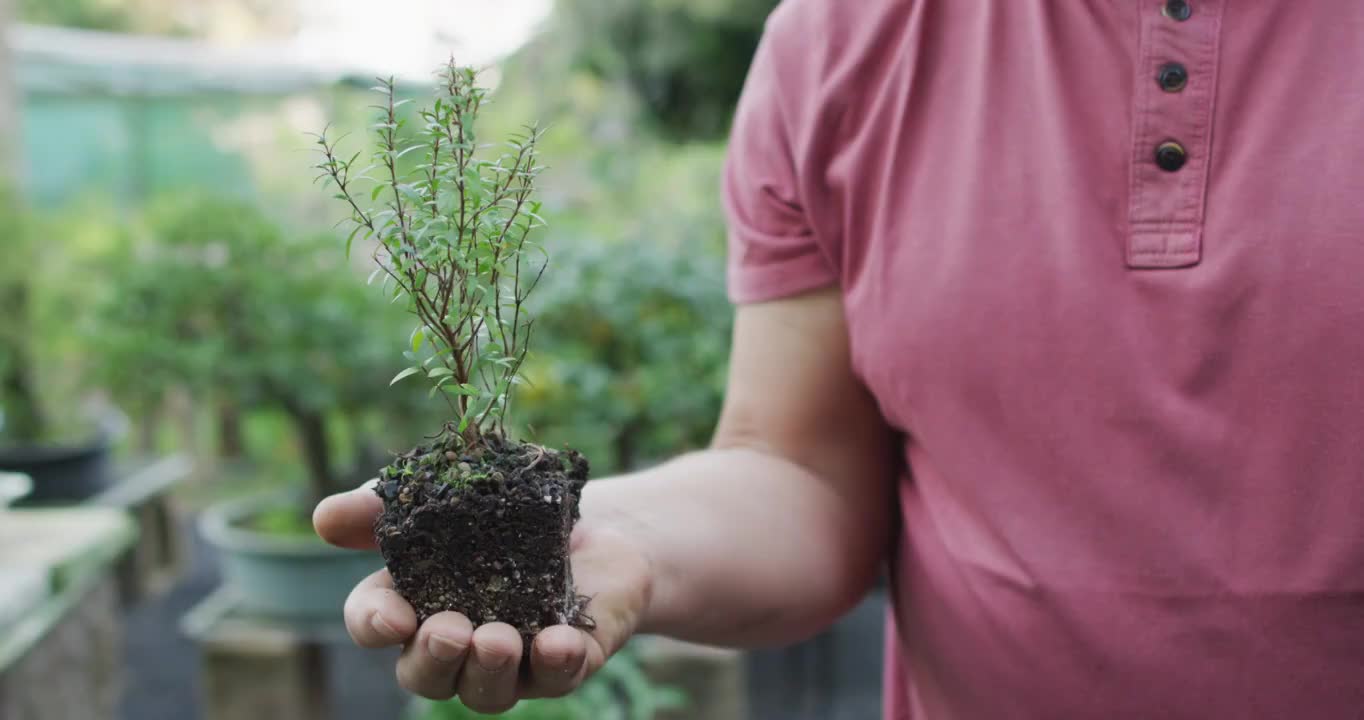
(684, 59)
(214, 297)
(630, 353)
(87, 14)
(108, 15)
(619, 691)
(633, 343)
(22, 416)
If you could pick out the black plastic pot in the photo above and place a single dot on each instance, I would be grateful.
(63, 473)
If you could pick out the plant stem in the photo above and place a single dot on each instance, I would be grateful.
(451, 235)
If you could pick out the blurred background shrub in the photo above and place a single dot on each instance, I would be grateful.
(622, 365)
(684, 60)
(213, 298)
(208, 270)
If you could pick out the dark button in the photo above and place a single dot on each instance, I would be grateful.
(1172, 77)
(1177, 9)
(1170, 156)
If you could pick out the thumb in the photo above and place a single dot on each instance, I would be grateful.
(618, 579)
(347, 519)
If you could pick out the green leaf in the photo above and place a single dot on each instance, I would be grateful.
(411, 193)
(440, 372)
(350, 239)
(418, 335)
(404, 374)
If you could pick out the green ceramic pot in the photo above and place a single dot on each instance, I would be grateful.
(291, 577)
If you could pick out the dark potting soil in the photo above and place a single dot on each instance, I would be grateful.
(484, 531)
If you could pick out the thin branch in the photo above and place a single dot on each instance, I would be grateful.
(458, 263)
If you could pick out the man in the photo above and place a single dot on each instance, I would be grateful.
(1057, 306)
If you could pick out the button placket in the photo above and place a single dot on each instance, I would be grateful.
(1171, 136)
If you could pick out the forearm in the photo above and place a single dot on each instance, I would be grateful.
(748, 548)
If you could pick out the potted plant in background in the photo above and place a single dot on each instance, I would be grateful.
(215, 298)
(64, 446)
(473, 520)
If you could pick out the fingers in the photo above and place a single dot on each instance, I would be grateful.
(483, 665)
(445, 657)
(558, 662)
(430, 664)
(347, 520)
(376, 616)
(488, 683)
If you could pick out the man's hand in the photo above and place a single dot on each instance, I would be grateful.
(447, 656)
(763, 539)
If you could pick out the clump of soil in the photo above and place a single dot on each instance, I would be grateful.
(484, 531)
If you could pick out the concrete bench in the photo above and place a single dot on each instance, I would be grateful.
(154, 563)
(61, 634)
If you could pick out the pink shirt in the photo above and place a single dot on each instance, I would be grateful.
(1130, 382)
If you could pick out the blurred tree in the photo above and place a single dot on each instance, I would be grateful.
(685, 60)
(216, 298)
(22, 417)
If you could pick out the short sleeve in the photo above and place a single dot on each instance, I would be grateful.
(774, 251)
